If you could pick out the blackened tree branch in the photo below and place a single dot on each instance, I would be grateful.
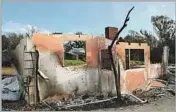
(124, 25)
(117, 76)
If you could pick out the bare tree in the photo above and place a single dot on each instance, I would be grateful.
(78, 33)
(164, 27)
(151, 39)
(30, 31)
(117, 78)
(5, 42)
(134, 36)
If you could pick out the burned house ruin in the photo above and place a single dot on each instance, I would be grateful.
(95, 75)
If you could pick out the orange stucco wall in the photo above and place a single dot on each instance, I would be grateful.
(134, 78)
(120, 49)
(92, 52)
(130, 79)
(54, 43)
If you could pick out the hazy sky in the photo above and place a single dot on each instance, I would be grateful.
(87, 17)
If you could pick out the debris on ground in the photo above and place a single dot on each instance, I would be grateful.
(92, 102)
(156, 83)
(171, 91)
(76, 103)
(154, 94)
(138, 99)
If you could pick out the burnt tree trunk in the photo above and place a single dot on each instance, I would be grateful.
(117, 75)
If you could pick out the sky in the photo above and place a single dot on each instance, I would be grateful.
(87, 17)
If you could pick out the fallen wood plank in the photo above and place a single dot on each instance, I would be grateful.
(159, 80)
(141, 101)
(161, 95)
(48, 105)
(100, 101)
(43, 75)
(171, 91)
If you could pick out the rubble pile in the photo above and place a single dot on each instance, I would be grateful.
(154, 94)
(77, 103)
(89, 103)
(13, 105)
